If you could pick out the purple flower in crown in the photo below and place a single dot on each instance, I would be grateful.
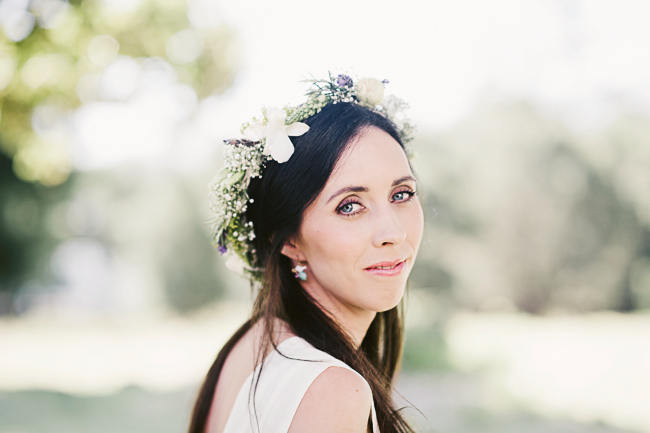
(343, 80)
(222, 249)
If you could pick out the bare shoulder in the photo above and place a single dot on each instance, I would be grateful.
(338, 400)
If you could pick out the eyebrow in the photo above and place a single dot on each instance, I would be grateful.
(365, 189)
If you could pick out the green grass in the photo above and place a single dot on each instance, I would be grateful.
(129, 410)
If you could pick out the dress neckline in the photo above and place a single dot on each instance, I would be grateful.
(250, 375)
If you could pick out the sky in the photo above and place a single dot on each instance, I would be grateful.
(445, 56)
(580, 60)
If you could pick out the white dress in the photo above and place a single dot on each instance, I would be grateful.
(281, 387)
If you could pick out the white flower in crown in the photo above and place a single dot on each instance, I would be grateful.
(276, 133)
(370, 91)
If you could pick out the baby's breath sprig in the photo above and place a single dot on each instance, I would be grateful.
(228, 200)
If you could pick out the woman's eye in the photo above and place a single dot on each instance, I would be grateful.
(403, 195)
(348, 209)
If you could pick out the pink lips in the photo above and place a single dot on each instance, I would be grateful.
(387, 269)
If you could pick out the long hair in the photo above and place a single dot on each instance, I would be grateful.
(280, 198)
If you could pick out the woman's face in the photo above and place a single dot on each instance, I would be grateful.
(366, 216)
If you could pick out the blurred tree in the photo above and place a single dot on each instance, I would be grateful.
(52, 55)
(25, 240)
(52, 51)
(577, 258)
(534, 216)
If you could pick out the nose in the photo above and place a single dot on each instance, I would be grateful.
(388, 228)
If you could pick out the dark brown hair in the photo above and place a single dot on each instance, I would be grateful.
(279, 203)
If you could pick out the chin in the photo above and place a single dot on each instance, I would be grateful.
(391, 300)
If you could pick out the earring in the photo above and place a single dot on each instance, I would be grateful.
(299, 272)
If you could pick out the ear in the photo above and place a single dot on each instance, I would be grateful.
(291, 250)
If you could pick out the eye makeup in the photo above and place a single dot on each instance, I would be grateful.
(347, 205)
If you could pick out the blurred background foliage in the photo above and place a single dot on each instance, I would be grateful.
(103, 228)
(536, 217)
(54, 56)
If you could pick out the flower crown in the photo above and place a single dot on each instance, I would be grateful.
(268, 138)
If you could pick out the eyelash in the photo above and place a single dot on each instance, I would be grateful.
(410, 194)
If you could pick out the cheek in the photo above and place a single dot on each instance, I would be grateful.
(332, 246)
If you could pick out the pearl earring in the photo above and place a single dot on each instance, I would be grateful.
(299, 272)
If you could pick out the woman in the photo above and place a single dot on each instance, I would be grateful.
(327, 225)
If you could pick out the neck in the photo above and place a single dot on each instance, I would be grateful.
(353, 320)
(357, 327)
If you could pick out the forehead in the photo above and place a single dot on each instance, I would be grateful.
(373, 158)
